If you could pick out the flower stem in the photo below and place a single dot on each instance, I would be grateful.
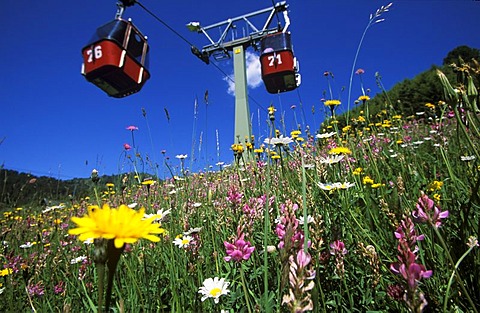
(457, 275)
(101, 278)
(451, 277)
(244, 285)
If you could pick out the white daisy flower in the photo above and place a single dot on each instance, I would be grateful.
(183, 241)
(467, 158)
(332, 159)
(27, 245)
(326, 187)
(325, 135)
(78, 260)
(214, 288)
(344, 185)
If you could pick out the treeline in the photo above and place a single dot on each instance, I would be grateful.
(410, 96)
(19, 189)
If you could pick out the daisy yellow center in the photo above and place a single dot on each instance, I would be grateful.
(185, 241)
(215, 292)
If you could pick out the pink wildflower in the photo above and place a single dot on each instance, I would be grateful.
(132, 128)
(239, 250)
(360, 71)
(126, 146)
(338, 247)
(424, 209)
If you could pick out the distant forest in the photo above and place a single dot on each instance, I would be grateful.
(410, 95)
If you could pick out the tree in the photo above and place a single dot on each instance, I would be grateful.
(465, 52)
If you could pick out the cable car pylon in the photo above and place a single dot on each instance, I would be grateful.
(279, 66)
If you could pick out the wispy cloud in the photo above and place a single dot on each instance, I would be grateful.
(254, 73)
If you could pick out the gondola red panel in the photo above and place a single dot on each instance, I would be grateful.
(278, 64)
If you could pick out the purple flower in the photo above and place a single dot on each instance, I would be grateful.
(239, 250)
(338, 247)
(59, 288)
(36, 290)
(303, 258)
(427, 211)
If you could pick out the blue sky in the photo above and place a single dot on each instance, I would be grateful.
(53, 122)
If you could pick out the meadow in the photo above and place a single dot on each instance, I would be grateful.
(380, 214)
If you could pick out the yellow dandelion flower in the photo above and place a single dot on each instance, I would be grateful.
(397, 117)
(295, 133)
(122, 224)
(361, 119)
(258, 150)
(363, 98)
(237, 148)
(329, 103)
(437, 197)
(377, 185)
(340, 150)
(400, 141)
(110, 185)
(148, 182)
(275, 157)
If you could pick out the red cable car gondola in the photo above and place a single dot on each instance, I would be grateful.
(116, 59)
(279, 66)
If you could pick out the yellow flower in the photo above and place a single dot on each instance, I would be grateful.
(340, 150)
(329, 103)
(367, 180)
(430, 105)
(271, 109)
(258, 150)
(435, 185)
(357, 171)
(110, 185)
(295, 133)
(377, 185)
(123, 224)
(237, 148)
(397, 117)
(5, 272)
(437, 197)
(148, 182)
(363, 98)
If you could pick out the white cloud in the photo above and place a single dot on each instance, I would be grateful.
(254, 73)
